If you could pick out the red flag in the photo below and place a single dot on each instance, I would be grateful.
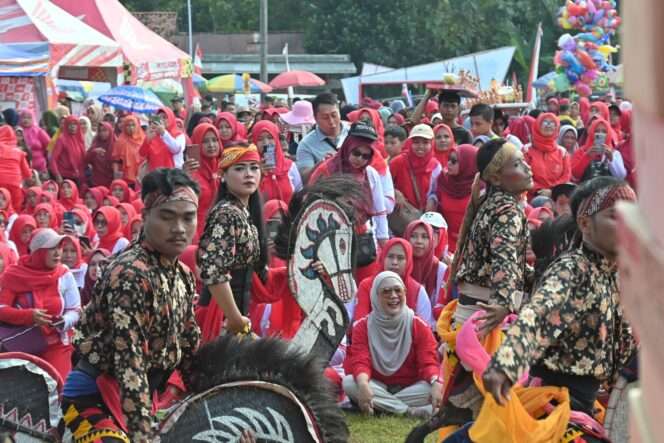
(534, 65)
(198, 60)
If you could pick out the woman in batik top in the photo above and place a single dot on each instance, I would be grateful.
(233, 243)
(490, 265)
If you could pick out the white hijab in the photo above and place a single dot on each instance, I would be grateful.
(390, 338)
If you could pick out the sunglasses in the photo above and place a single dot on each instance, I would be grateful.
(548, 124)
(452, 161)
(100, 222)
(358, 154)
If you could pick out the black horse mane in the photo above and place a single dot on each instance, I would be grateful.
(342, 189)
(229, 359)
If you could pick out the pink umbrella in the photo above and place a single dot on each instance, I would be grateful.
(296, 78)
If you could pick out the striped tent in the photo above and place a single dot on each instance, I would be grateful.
(37, 38)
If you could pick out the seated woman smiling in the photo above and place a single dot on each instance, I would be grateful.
(395, 368)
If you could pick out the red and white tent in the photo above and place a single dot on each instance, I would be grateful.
(68, 47)
(151, 56)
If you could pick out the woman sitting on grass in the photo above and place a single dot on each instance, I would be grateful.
(395, 368)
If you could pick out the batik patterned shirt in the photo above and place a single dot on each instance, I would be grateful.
(229, 242)
(140, 319)
(495, 252)
(572, 324)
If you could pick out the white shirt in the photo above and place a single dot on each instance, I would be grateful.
(176, 147)
(379, 216)
(71, 302)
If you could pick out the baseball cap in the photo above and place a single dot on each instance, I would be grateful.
(421, 130)
(44, 238)
(363, 130)
(435, 219)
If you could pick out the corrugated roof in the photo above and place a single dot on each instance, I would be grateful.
(335, 64)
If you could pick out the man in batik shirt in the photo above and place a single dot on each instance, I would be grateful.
(572, 332)
(139, 326)
(490, 267)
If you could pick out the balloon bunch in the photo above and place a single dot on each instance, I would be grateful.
(582, 58)
(590, 16)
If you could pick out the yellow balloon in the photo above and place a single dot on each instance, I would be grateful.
(605, 50)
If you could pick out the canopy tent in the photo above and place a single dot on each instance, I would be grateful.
(37, 38)
(485, 65)
(151, 56)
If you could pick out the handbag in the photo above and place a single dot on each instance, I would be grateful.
(405, 213)
(366, 249)
(28, 339)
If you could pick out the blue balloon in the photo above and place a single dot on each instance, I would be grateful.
(571, 76)
(573, 63)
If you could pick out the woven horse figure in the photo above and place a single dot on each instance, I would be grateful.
(273, 387)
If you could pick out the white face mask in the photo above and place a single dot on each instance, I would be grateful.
(80, 229)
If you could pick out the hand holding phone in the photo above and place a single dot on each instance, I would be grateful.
(269, 156)
(193, 152)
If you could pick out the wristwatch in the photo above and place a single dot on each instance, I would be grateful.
(433, 380)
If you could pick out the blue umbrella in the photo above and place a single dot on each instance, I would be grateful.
(132, 99)
(543, 81)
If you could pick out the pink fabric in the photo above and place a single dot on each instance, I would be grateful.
(470, 350)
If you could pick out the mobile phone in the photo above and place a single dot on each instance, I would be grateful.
(269, 156)
(69, 218)
(85, 241)
(155, 119)
(193, 152)
(600, 139)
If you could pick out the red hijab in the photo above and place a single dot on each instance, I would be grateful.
(412, 286)
(31, 274)
(99, 155)
(84, 214)
(376, 123)
(47, 184)
(541, 142)
(209, 166)
(129, 209)
(72, 201)
(8, 209)
(443, 156)
(421, 167)
(128, 194)
(98, 195)
(38, 193)
(518, 127)
(113, 227)
(276, 184)
(86, 292)
(48, 208)
(112, 201)
(340, 163)
(603, 110)
(71, 145)
(138, 218)
(425, 268)
(77, 245)
(458, 186)
(590, 139)
(239, 131)
(17, 228)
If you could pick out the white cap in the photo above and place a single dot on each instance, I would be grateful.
(44, 238)
(421, 130)
(435, 219)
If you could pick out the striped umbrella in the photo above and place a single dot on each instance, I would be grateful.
(199, 80)
(232, 83)
(132, 99)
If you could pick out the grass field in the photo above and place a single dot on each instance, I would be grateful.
(381, 429)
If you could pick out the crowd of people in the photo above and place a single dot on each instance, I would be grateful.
(468, 211)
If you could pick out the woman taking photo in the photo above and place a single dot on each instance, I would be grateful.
(233, 243)
(205, 171)
(280, 178)
(41, 291)
(395, 368)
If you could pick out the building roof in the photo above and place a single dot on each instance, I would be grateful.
(326, 64)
